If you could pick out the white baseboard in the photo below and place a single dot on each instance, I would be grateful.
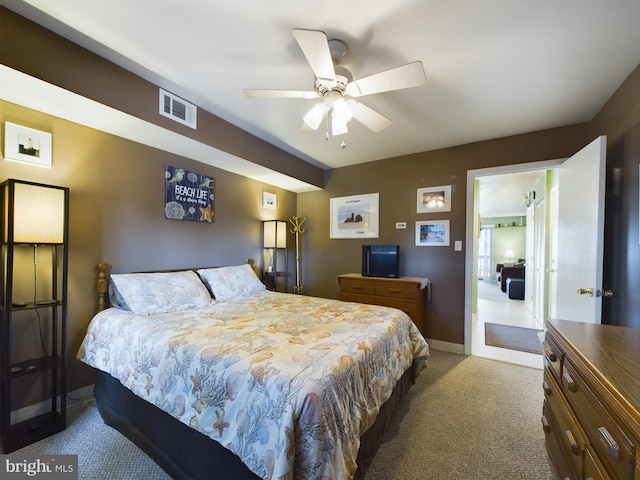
(446, 346)
(30, 411)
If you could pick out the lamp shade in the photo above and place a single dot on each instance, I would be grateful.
(509, 254)
(274, 234)
(38, 211)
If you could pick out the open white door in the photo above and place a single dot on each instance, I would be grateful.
(552, 278)
(581, 234)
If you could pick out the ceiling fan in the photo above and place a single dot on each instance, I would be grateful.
(336, 88)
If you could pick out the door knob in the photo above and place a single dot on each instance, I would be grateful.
(585, 291)
(607, 293)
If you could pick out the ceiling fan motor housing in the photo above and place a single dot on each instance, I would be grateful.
(324, 86)
(338, 49)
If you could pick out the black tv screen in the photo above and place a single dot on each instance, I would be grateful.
(381, 261)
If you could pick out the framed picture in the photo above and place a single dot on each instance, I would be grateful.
(433, 233)
(355, 216)
(27, 145)
(434, 199)
(269, 200)
(188, 195)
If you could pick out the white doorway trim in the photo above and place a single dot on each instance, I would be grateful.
(470, 250)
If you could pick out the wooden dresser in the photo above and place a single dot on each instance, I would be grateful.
(408, 294)
(591, 410)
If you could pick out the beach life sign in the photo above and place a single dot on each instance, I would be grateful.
(189, 195)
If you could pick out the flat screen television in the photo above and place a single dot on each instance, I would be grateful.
(381, 261)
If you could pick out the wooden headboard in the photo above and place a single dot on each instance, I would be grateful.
(102, 286)
(104, 271)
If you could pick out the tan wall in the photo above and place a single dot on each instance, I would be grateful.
(397, 181)
(116, 212)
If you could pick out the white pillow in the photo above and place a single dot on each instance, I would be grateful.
(227, 283)
(147, 293)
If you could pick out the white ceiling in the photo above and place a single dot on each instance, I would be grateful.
(501, 195)
(494, 68)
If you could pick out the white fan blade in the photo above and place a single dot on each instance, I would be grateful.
(406, 76)
(313, 44)
(256, 93)
(369, 117)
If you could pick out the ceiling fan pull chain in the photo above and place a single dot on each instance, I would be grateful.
(326, 133)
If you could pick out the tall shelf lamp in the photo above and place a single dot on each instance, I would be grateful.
(33, 280)
(275, 256)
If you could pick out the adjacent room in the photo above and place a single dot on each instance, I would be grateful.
(362, 240)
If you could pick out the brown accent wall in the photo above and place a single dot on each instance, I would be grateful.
(397, 181)
(619, 119)
(117, 212)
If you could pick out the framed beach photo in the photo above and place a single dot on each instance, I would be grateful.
(269, 200)
(355, 216)
(434, 233)
(434, 199)
(23, 144)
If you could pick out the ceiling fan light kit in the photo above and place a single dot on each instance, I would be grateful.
(335, 85)
(314, 117)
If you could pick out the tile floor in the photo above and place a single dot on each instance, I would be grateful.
(494, 306)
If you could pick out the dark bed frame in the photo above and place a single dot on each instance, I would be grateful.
(185, 453)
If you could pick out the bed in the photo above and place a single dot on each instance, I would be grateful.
(214, 376)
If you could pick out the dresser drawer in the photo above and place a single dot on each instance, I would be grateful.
(568, 430)
(354, 285)
(593, 469)
(553, 356)
(554, 445)
(396, 290)
(407, 306)
(612, 445)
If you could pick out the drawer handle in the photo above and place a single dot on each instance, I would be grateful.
(568, 381)
(572, 442)
(357, 287)
(546, 388)
(607, 440)
(546, 428)
(550, 355)
(395, 290)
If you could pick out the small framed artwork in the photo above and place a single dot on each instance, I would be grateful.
(433, 233)
(269, 200)
(355, 216)
(27, 145)
(434, 199)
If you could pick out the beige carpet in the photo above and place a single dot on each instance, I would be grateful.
(466, 418)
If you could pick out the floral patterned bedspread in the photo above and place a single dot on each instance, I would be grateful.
(289, 383)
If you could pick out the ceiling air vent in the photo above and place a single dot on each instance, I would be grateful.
(177, 109)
